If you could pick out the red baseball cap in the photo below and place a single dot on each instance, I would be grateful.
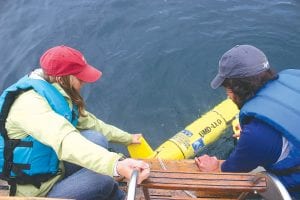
(63, 60)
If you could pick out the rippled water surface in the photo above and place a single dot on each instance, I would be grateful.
(157, 56)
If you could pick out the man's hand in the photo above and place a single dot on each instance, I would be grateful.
(208, 164)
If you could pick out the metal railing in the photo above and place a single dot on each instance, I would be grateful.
(131, 191)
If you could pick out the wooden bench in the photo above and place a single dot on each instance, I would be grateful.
(182, 180)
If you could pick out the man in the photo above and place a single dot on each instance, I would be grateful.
(269, 116)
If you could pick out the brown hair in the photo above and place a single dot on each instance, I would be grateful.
(245, 88)
(65, 83)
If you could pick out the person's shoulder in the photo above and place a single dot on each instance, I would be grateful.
(257, 126)
(29, 98)
(29, 94)
(257, 122)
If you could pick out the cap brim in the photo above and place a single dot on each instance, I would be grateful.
(89, 74)
(217, 82)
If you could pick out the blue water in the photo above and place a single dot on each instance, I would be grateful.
(157, 57)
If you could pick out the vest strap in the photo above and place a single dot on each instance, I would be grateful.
(13, 186)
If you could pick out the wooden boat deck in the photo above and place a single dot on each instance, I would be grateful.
(181, 179)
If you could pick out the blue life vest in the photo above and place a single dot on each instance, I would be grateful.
(27, 161)
(278, 104)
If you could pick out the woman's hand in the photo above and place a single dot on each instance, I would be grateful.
(126, 166)
(136, 138)
(237, 131)
(208, 163)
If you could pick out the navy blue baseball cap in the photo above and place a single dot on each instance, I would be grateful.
(239, 62)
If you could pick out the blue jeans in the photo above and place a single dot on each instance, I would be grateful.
(83, 184)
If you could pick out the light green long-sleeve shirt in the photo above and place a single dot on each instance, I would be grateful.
(30, 114)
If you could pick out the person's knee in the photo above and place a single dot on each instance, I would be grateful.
(95, 137)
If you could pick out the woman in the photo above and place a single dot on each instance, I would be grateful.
(51, 145)
(269, 115)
